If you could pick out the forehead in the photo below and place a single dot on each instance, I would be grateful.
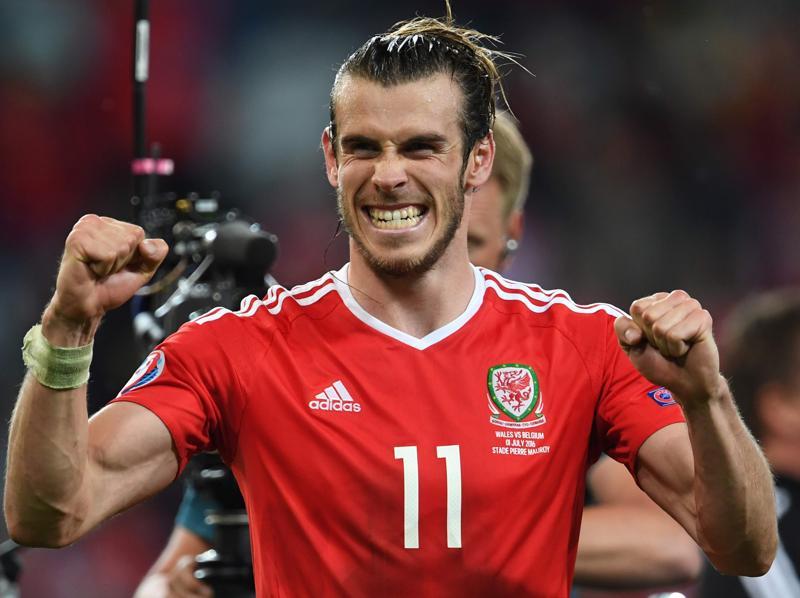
(428, 105)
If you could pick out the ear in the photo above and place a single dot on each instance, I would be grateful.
(331, 164)
(479, 162)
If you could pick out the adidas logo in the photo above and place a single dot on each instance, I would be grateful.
(335, 398)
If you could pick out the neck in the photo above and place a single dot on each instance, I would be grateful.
(416, 304)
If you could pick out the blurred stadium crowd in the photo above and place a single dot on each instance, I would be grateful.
(666, 139)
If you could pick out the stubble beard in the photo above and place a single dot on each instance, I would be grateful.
(452, 213)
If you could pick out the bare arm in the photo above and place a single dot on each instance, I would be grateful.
(626, 540)
(64, 474)
(709, 475)
(172, 575)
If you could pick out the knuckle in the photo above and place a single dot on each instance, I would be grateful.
(73, 237)
(131, 244)
(106, 256)
(87, 221)
(88, 218)
(649, 317)
(679, 294)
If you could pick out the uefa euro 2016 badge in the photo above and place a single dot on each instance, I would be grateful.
(151, 368)
(662, 396)
(514, 397)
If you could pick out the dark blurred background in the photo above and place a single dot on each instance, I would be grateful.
(666, 137)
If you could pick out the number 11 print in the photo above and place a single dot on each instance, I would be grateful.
(452, 462)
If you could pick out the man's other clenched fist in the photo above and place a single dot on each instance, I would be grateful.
(669, 339)
(105, 262)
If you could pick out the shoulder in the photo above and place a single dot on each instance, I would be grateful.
(279, 306)
(252, 328)
(545, 306)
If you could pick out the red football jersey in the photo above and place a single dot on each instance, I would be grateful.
(374, 463)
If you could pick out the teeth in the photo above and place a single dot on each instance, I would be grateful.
(397, 224)
(395, 219)
(395, 214)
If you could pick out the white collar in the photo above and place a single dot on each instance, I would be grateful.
(340, 279)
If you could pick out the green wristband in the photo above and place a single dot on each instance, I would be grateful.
(59, 368)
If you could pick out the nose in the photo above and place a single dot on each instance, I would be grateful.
(390, 172)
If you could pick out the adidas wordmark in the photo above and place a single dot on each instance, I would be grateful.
(335, 398)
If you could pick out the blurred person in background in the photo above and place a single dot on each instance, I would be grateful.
(761, 352)
(626, 540)
(172, 575)
(339, 510)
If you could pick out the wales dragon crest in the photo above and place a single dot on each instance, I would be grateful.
(514, 391)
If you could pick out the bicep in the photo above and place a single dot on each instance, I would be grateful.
(665, 471)
(611, 483)
(131, 457)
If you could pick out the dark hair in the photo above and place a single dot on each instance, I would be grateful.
(762, 346)
(421, 47)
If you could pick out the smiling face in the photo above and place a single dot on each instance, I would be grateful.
(399, 171)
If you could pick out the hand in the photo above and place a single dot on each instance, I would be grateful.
(668, 338)
(182, 582)
(105, 262)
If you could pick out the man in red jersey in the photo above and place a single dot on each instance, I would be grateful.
(407, 425)
(626, 541)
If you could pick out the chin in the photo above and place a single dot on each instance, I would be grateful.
(402, 258)
(400, 266)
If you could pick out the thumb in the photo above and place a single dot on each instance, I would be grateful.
(628, 332)
(151, 253)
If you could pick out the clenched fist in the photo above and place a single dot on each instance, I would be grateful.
(669, 339)
(105, 262)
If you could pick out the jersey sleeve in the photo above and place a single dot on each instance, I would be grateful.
(189, 382)
(630, 408)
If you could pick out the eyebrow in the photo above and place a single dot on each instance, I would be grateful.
(428, 138)
(351, 140)
(435, 139)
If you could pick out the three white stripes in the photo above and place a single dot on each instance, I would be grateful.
(550, 298)
(251, 304)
